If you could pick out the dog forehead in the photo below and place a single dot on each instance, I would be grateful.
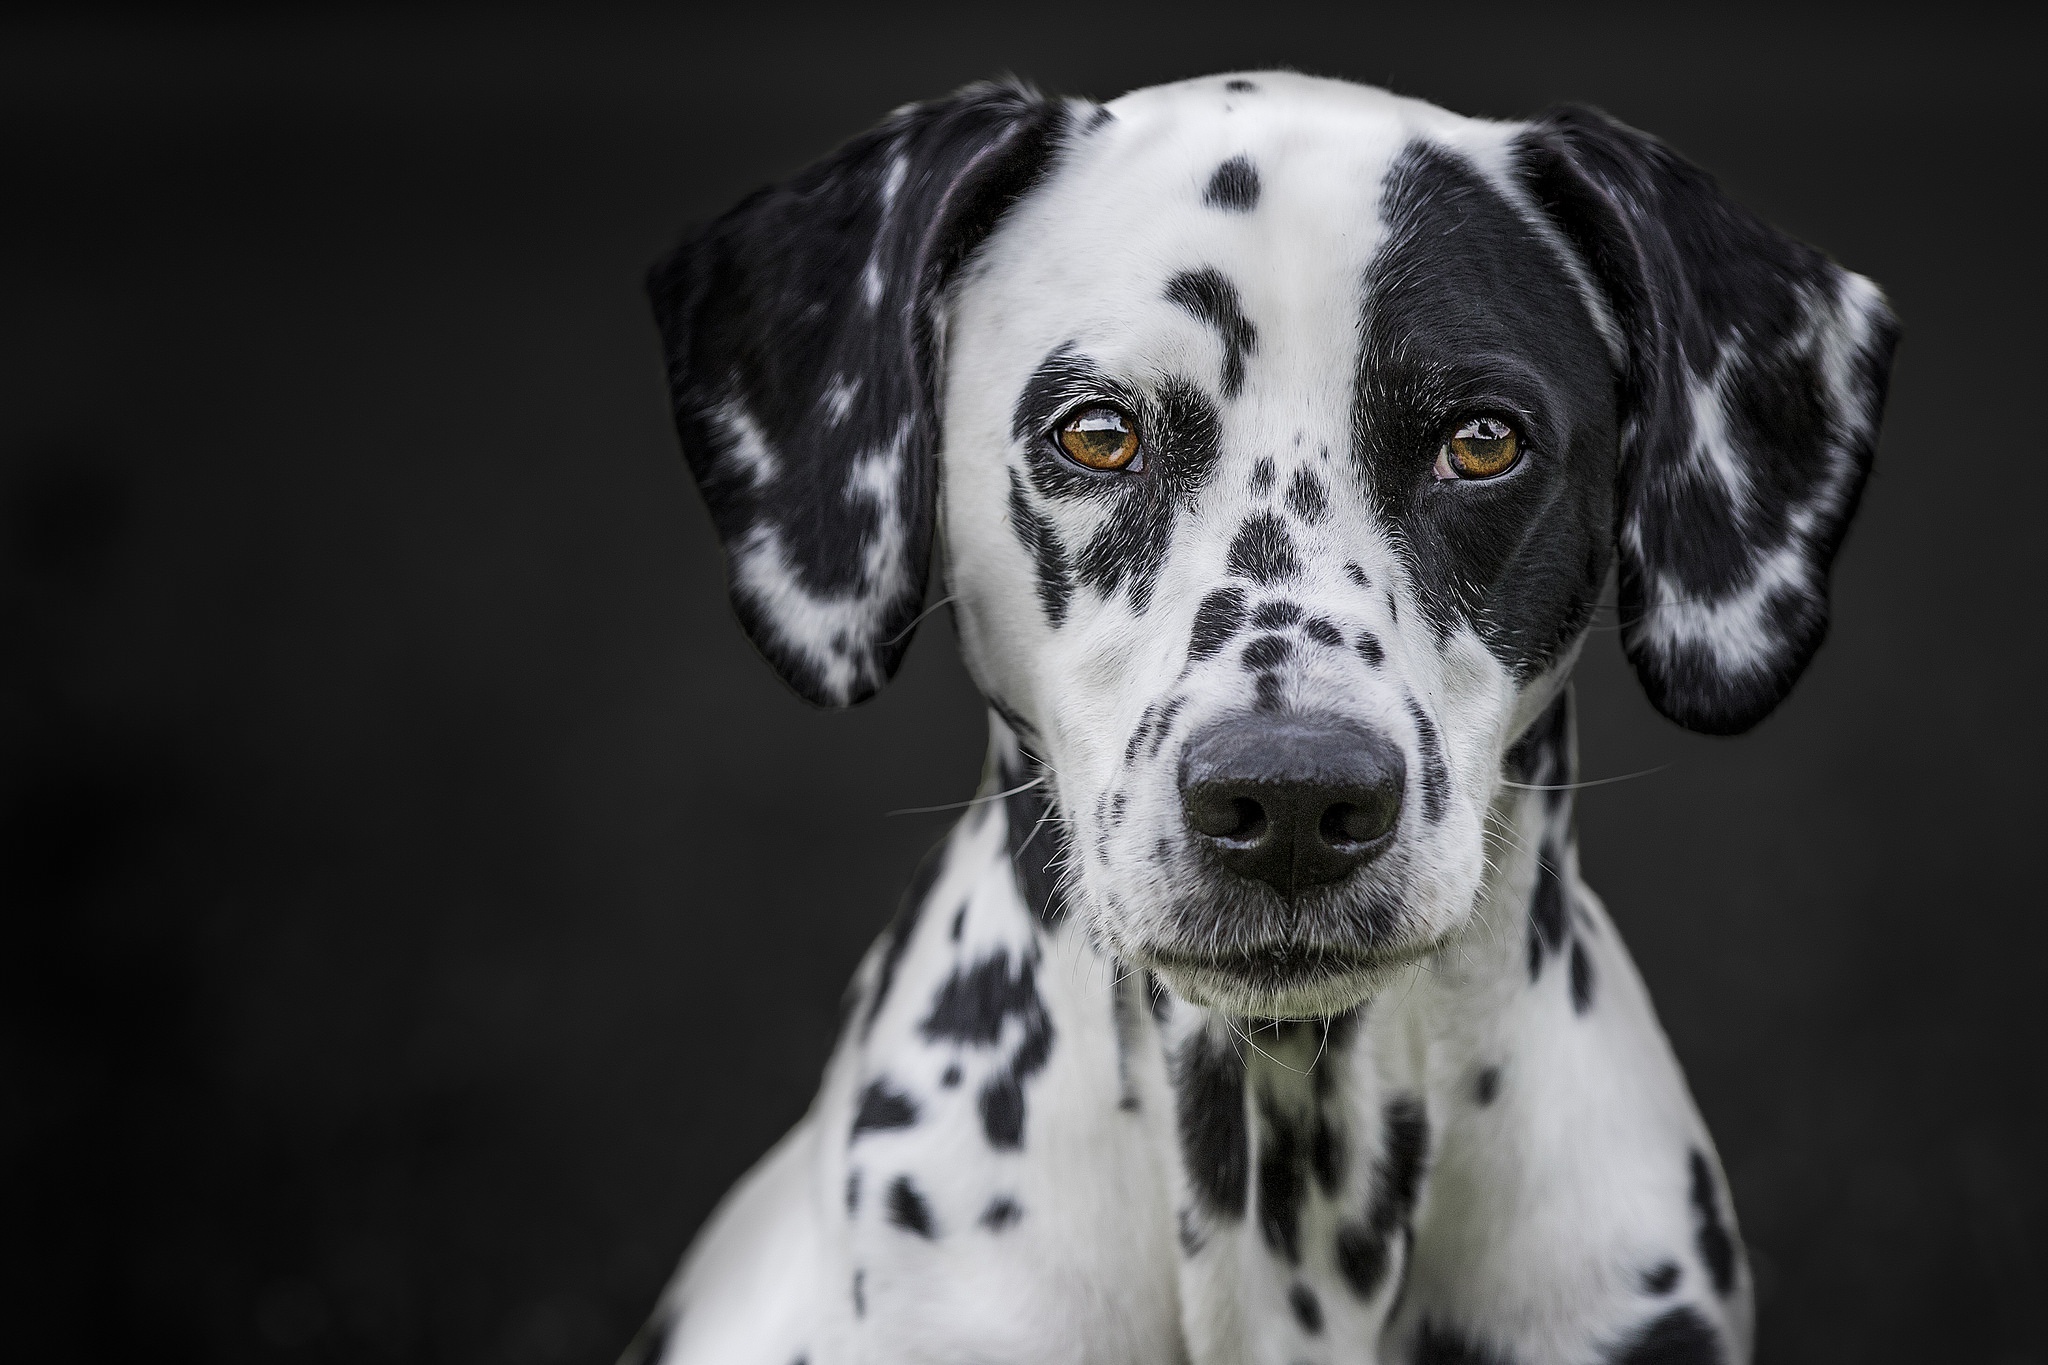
(1274, 180)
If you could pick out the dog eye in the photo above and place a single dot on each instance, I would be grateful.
(1479, 449)
(1100, 438)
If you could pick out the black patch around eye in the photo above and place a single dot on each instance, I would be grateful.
(1262, 550)
(908, 1209)
(1234, 187)
(1132, 541)
(1002, 1211)
(1716, 1244)
(1048, 556)
(1214, 299)
(1262, 475)
(1436, 777)
(1661, 1278)
(883, 1108)
(1324, 632)
(1679, 1337)
(1308, 1310)
(1214, 1137)
(1308, 497)
(1216, 620)
(1273, 615)
(1267, 652)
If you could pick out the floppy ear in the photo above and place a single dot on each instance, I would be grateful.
(802, 332)
(1753, 379)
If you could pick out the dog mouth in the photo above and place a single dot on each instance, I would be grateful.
(1279, 970)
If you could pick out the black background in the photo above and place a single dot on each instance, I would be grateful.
(419, 902)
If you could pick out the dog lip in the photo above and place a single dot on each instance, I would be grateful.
(1278, 964)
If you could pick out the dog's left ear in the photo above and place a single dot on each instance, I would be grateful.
(803, 331)
(1753, 378)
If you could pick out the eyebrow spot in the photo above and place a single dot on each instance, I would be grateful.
(1214, 299)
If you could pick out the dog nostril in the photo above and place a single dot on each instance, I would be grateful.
(1251, 820)
(1361, 822)
(1221, 815)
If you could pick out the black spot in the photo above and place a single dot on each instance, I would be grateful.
(1661, 1278)
(1308, 1311)
(959, 923)
(853, 1192)
(1364, 1248)
(950, 1077)
(1267, 693)
(1164, 725)
(1547, 908)
(1439, 1345)
(1192, 1238)
(1097, 119)
(1307, 496)
(902, 927)
(1324, 631)
(1679, 1337)
(1368, 648)
(1234, 187)
(1001, 1212)
(1267, 652)
(1048, 556)
(1216, 620)
(1240, 86)
(883, 1108)
(1209, 1085)
(1716, 1244)
(970, 1009)
(1283, 1181)
(908, 1209)
(1486, 1085)
(1582, 978)
(1262, 475)
(1262, 550)
(1356, 574)
(1212, 298)
(1436, 777)
(860, 1298)
(1273, 615)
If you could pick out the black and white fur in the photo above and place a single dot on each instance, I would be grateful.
(1097, 1098)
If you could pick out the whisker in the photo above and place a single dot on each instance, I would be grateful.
(915, 620)
(1580, 786)
(970, 801)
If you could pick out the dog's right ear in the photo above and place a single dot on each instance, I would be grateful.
(803, 332)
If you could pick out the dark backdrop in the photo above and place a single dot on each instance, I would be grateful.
(419, 902)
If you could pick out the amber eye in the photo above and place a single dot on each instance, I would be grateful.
(1100, 438)
(1479, 449)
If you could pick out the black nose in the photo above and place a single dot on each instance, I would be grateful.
(1292, 801)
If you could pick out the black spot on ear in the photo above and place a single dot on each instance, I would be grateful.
(1262, 550)
(1212, 298)
(1308, 1311)
(1048, 556)
(1240, 86)
(1214, 1140)
(1002, 1211)
(1308, 497)
(1436, 777)
(1324, 632)
(1216, 620)
(1679, 1337)
(1661, 1278)
(1368, 648)
(1356, 574)
(882, 1108)
(1582, 978)
(1262, 475)
(1234, 187)
(1267, 652)
(903, 927)
(908, 1209)
(1436, 1344)
(1273, 615)
(1486, 1085)
(1716, 1244)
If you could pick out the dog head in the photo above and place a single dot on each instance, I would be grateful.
(1280, 435)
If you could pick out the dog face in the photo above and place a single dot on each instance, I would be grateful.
(1280, 434)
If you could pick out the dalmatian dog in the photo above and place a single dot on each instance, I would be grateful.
(1275, 437)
